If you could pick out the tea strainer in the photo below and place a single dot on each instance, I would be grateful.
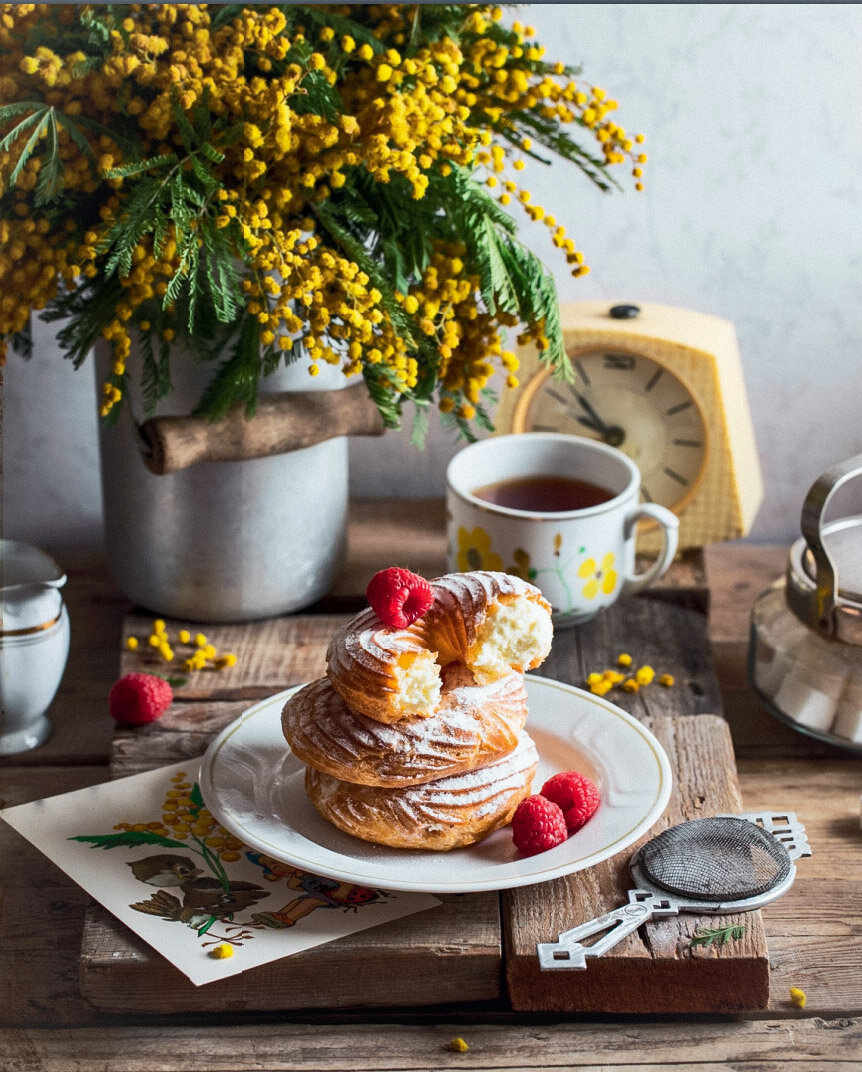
(722, 864)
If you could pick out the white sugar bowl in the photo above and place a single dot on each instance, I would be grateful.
(34, 644)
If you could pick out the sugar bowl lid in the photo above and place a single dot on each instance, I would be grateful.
(824, 572)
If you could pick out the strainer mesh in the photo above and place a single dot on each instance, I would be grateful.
(718, 859)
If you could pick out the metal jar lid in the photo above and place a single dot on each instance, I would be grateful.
(824, 573)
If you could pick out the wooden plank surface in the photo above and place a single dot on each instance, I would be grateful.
(272, 654)
(813, 932)
(446, 954)
(183, 732)
(668, 632)
(804, 1044)
(403, 532)
(120, 974)
(655, 969)
(451, 951)
(774, 765)
(41, 910)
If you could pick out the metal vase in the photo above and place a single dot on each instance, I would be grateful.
(222, 541)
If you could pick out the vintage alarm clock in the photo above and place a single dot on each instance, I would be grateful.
(665, 386)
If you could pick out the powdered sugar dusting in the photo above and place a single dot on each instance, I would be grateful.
(472, 726)
(483, 586)
(472, 787)
(364, 655)
(470, 800)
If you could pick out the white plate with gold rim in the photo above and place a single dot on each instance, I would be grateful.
(254, 786)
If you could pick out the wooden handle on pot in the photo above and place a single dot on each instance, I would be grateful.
(283, 422)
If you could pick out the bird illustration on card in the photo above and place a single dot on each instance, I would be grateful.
(190, 874)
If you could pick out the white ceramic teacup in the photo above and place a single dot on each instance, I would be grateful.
(582, 559)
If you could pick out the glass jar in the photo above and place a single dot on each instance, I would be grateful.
(805, 654)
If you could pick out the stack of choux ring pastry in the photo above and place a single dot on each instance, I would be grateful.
(415, 738)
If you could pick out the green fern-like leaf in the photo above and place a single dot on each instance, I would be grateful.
(142, 206)
(471, 202)
(483, 419)
(16, 108)
(318, 97)
(22, 342)
(379, 389)
(95, 21)
(396, 228)
(84, 313)
(236, 379)
(718, 935)
(498, 287)
(563, 145)
(220, 277)
(51, 173)
(129, 839)
(40, 122)
(419, 428)
(72, 129)
(537, 295)
(138, 167)
(156, 367)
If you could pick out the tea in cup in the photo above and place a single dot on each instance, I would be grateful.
(560, 511)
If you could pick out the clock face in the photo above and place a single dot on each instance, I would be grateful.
(630, 402)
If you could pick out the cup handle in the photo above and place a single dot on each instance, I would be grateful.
(669, 523)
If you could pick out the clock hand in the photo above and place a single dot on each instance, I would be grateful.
(587, 423)
(612, 434)
(587, 407)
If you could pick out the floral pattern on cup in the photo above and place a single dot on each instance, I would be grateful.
(474, 551)
(522, 566)
(598, 577)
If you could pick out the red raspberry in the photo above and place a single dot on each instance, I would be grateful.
(538, 824)
(399, 597)
(575, 794)
(139, 698)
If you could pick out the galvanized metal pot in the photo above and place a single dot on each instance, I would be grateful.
(228, 540)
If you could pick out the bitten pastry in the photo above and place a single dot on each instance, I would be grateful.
(473, 725)
(444, 814)
(494, 623)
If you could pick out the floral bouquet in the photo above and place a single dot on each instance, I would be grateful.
(288, 182)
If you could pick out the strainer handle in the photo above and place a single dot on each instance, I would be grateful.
(568, 953)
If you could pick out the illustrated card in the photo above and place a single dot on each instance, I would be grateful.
(147, 848)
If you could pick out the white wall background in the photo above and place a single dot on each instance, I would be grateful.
(752, 116)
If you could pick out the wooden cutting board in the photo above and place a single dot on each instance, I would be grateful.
(461, 951)
(655, 969)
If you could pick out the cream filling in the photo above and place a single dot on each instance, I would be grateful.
(418, 678)
(513, 636)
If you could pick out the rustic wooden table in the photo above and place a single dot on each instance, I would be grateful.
(814, 933)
